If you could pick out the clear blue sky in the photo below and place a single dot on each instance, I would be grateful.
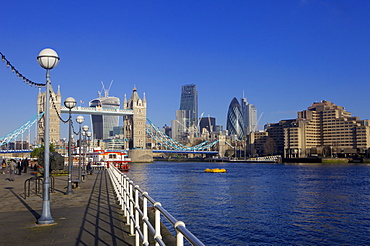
(284, 55)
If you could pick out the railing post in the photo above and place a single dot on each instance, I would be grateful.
(132, 231)
(123, 194)
(145, 217)
(179, 236)
(137, 218)
(157, 222)
(138, 227)
(117, 181)
(127, 194)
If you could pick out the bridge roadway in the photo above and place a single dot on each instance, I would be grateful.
(187, 151)
(97, 111)
(90, 216)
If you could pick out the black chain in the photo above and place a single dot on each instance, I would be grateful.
(18, 74)
(56, 110)
(64, 121)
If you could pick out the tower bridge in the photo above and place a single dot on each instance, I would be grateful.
(136, 128)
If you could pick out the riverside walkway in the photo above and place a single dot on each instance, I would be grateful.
(90, 216)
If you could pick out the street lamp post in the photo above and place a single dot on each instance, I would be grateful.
(80, 119)
(70, 103)
(88, 134)
(85, 128)
(47, 59)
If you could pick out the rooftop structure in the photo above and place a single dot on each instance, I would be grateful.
(103, 124)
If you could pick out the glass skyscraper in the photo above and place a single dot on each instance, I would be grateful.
(249, 112)
(103, 124)
(235, 119)
(189, 102)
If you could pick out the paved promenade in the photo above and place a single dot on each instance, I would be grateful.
(90, 216)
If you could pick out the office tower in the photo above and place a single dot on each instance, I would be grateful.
(181, 127)
(167, 130)
(207, 123)
(189, 102)
(235, 120)
(55, 100)
(103, 124)
(249, 112)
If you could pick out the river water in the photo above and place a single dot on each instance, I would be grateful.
(264, 204)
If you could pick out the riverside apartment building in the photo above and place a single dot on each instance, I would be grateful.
(324, 129)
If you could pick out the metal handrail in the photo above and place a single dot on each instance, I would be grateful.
(134, 203)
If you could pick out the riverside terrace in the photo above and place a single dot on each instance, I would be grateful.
(90, 216)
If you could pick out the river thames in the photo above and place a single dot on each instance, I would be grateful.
(264, 204)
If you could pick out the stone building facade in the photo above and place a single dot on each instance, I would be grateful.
(134, 126)
(55, 101)
(323, 129)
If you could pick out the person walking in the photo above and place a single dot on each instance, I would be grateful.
(25, 164)
(88, 168)
(12, 167)
(3, 166)
(19, 166)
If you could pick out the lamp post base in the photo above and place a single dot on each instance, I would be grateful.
(45, 221)
(69, 188)
(45, 216)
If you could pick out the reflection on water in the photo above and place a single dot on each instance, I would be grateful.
(263, 204)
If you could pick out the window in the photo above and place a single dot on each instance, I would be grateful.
(112, 156)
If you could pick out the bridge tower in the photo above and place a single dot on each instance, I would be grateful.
(134, 129)
(221, 145)
(55, 100)
(134, 125)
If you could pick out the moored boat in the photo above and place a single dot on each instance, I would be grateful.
(105, 158)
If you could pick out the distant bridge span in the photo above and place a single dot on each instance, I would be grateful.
(185, 151)
(97, 111)
(170, 145)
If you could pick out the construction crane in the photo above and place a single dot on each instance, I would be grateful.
(199, 119)
(259, 118)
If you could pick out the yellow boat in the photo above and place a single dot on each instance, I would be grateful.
(215, 170)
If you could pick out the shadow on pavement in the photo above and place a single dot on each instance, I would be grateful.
(101, 223)
(33, 212)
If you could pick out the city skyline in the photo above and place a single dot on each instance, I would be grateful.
(283, 55)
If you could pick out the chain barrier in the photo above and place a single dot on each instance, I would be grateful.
(56, 110)
(18, 74)
(64, 121)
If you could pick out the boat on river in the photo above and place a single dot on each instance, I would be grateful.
(104, 158)
(215, 170)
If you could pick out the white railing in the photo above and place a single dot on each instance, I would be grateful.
(134, 203)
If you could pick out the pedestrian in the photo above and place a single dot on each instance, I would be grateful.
(3, 166)
(12, 167)
(20, 168)
(25, 164)
(88, 168)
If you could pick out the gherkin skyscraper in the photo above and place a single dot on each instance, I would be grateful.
(235, 121)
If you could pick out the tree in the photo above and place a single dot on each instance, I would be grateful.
(326, 151)
(36, 152)
(269, 147)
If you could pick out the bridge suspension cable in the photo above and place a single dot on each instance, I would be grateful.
(164, 140)
(20, 130)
